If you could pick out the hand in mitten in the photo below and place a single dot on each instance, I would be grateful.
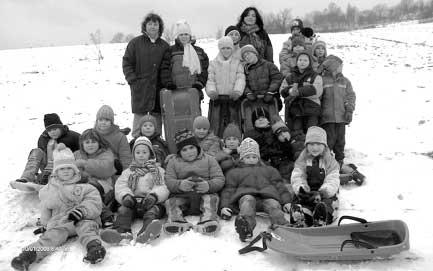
(348, 116)
(129, 201)
(171, 86)
(286, 207)
(294, 91)
(149, 201)
(75, 215)
(269, 97)
(39, 230)
(186, 185)
(202, 187)
(226, 213)
(251, 97)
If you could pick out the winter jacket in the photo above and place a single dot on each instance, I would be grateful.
(338, 97)
(143, 186)
(68, 137)
(118, 144)
(228, 161)
(304, 176)
(204, 166)
(258, 180)
(262, 77)
(59, 198)
(226, 77)
(211, 144)
(160, 146)
(268, 143)
(317, 61)
(267, 52)
(141, 63)
(173, 72)
(99, 167)
(288, 64)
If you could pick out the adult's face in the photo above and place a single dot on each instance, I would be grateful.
(250, 19)
(152, 28)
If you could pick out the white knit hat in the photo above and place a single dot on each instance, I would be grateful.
(225, 42)
(316, 134)
(248, 146)
(63, 157)
(182, 27)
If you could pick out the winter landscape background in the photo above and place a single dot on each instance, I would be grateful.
(390, 139)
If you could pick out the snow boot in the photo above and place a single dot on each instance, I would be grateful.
(297, 216)
(358, 177)
(243, 228)
(95, 252)
(320, 215)
(208, 227)
(177, 227)
(149, 232)
(23, 261)
(112, 236)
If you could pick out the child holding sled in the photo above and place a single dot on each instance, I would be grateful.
(68, 207)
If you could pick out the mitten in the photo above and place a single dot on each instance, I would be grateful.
(269, 97)
(348, 116)
(202, 187)
(251, 96)
(149, 201)
(75, 215)
(186, 185)
(226, 213)
(129, 201)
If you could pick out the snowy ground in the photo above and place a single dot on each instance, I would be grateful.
(390, 69)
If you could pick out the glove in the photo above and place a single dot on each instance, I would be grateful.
(226, 213)
(199, 87)
(251, 97)
(269, 97)
(39, 230)
(171, 86)
(186, 185)
(129, 201)
(202, 187)
(75, 215)
(286, 207)
(149, 201)
(348, 116)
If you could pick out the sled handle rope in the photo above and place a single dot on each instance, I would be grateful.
(358, 219)
(265, 236)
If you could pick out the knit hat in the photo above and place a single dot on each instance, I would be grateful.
(296, 23)
(316, 134)
(105, 112)
(298, 40)
(200, 122)
(182, 27)
(185, 137)
(259, 112)
(52, 121)
(232, 130)
(278, 125)
(225, 42)
(317, 44)
(63, 157)
(142, 140)
(332, 63)
(230, 29)
(248, 146)
(248, 48)
(147, 118)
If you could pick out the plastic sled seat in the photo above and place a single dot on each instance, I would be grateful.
(348, 242)
(248, 107)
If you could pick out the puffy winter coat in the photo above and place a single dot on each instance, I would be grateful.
(267, 52)
(262, 77)
(211, 144)
(173, 72)
(68, 137)
(338, 97)
(141, 63)
(226, 77)
(329, 174)
(118, 144)
(59, 198)
(258, 180)
(141, 187)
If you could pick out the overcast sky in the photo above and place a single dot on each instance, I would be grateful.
(34, 23)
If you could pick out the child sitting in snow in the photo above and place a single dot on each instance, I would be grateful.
(148, 126)
(318, 54)
(208, 142)
(42, 157)
(289, 55)
(68, 208)
(315, 181)
(141, 191)
(194, 179)
(252, 186)
(96, 162)
(225, 85)
(229, 157)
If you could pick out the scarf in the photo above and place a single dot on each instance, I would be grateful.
(190, 59)
(254, 38)
(141, 170)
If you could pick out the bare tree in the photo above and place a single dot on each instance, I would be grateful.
(168, 34)
(96, 38)
(117, 38)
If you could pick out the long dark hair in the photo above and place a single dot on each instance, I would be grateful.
(154, 18)
(259, 20)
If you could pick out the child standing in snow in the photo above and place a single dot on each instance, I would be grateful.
(96, 162)
(315, 181)
(229, 157)
(141, 191)
(253, 186)
(194, 179)
(148, 126)
(42, 157)
(319, 54)
(225, 85)
(68, 208)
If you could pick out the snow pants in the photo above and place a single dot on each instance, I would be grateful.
(336, 137)
(177, 206)
(126, 216)
(37, 160)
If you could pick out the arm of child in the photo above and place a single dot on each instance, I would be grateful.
(161, 190)
(331, 183)
(128, 63)
(240, 83)
(121, 187)
(312, 90)
(125, 155)
(171, 179)
(46, 215)
(216, 176)
(91, 205)
(211, 89)
(299, 177)
(229, 189)
(275, 78)
(350, 99)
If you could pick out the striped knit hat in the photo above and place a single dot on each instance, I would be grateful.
(142, 140)
(248, 146)
(184, 138)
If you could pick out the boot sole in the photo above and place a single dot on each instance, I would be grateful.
(242, 226)
(153, 230)
(177, 227)
(208, 228)
(111, 236)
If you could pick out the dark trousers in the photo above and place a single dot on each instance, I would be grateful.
(126, 216)
(336, 135)
(304, 122)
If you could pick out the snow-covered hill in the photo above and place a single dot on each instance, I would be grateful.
(390, 69)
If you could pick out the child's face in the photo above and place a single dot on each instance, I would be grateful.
(250, 57)
(147, 129)
(54, 133)
(303, 62)
(103, 124)
(90, 146)
(296, 30)
(251, 159)
(261, 122)
(232, 143)
(315, 149)
(184, 38)
(152, 28)
(201, 132)
(283, 136)
(298, 48)
(226, 52)
(141, 154)
(65, 173)
(189, 153)
(319, 51)
(236, 37)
